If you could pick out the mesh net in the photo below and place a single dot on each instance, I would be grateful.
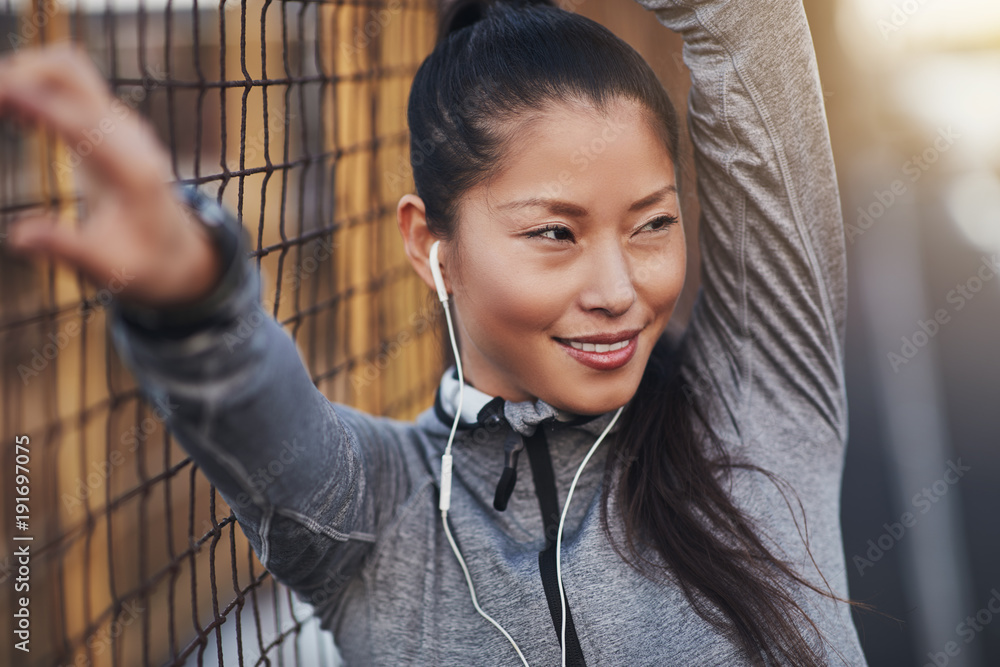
(292, 114)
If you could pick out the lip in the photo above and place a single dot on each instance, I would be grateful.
(603, 361)
(606, 338)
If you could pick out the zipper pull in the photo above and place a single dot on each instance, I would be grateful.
(512, 446)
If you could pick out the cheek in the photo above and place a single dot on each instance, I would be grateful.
(661, 277)
(506, 307)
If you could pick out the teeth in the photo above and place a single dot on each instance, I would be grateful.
(598, 347)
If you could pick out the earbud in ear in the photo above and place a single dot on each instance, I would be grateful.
(436, 272)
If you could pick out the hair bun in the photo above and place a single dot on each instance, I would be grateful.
(457, 14)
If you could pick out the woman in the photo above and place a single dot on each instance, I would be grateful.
(545, 161)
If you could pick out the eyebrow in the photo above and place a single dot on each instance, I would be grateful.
(560, 207)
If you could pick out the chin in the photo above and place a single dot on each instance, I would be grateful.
(599, 401)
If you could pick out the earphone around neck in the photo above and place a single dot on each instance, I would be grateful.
(446, 460)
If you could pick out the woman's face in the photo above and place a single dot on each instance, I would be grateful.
(578, 236)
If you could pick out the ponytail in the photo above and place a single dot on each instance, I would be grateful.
(455, 15)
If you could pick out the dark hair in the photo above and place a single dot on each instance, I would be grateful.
(494, 65)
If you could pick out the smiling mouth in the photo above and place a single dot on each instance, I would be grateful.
(601, 356)
(602, 342)
(595, 347)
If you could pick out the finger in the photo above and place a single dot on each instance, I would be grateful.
(43, 89)
(58, 90)
(118, 145)
(65, 65)
(43, 235)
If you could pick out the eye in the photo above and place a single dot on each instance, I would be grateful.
(555, 229)
(662, 222)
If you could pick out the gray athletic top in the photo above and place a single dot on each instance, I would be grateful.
(342, 506)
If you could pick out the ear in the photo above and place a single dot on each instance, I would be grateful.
(411, 216)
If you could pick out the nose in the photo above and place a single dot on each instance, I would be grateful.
(609, 282)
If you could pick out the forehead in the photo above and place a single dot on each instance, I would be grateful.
(601, 160)
(577, 122)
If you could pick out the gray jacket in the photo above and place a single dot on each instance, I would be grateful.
(342, 506)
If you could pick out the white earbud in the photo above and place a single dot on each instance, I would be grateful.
(444, 501)
(436, 272)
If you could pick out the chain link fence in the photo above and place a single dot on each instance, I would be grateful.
(291, 113)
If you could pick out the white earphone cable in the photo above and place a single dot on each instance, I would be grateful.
(445, 501)
(446, 461)
(562, 519)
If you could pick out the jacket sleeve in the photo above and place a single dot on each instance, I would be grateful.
(310, 482)
(766, 337)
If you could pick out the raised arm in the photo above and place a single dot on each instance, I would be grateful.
(767, 332)
(311, 482)
(309, 485)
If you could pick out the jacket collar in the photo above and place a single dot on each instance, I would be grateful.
(522, 416)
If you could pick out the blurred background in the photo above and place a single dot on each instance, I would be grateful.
(292, 113)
